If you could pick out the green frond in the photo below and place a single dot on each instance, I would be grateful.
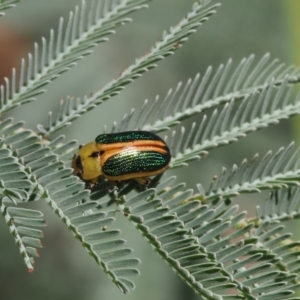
(281, 205)
(7, 4)
(23, 224)
(265, 106)
(218, 250)
(211, 246)
(234, 121)
(274, 171)
(280, 247)
(52, 181)
(171, 41)
(247, 81)
(83, 31)
(14, 180)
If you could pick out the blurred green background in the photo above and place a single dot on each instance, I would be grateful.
(240, 28)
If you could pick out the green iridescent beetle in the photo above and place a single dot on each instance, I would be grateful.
(121, 156)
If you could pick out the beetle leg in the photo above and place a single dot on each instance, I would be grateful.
(116, 185)
(89, 185)
(110, 186)
(144, 181)
(107, 188)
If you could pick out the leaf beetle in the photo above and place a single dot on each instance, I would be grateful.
(121, 156)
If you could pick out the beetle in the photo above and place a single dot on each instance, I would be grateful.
(121, 156)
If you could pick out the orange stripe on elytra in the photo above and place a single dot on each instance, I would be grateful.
(137, 144)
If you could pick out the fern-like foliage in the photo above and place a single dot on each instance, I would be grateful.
(51, 181)
(277, 171)
(264, 106)
(171, 41)
(214, 88)
(14, 179)
(7, 4)
(212, 246)
(281, 205)
(219, 251)
(23, 225)
(83, 31)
